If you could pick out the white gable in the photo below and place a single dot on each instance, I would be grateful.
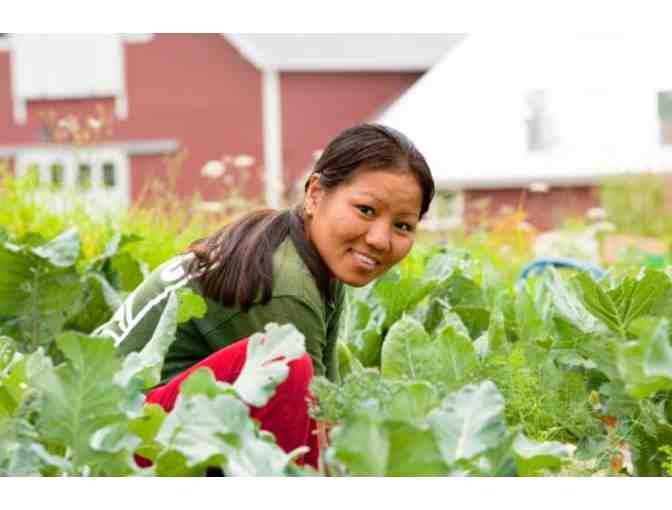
(468, 114)
(344, 52)
(49, 66)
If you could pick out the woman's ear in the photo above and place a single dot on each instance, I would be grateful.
(313, 195)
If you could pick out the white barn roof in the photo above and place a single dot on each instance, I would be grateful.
(468, 114)
(344, 52)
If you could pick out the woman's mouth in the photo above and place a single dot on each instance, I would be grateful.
(364, 261)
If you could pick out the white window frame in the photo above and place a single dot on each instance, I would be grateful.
(95, 199)
(539, 122)
(437, 219)
(663, 121)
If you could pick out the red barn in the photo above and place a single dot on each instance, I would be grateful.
(100, 113)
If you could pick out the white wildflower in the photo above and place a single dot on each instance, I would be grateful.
(94, 123)
(243, 161)
(596, 214)
(213, 169)
(213, 207)
(525, 226)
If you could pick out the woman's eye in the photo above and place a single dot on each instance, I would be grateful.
(405, 227)
(365, 209)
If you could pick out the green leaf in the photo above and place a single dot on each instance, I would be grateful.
(12, 385)
(533, 457)
(147, 363)
(17, 448)
(172, 463)
(20, 459)
(62, 465)
(259, 457)
(116, 445)
(191, 305)
(125, 272)
(36, 297)
(461, 295)
(413, 451)
(203, 382)
(457, 356)
(407, 352)
(658, 352)
(460, 290)
(201, 429)
(475, 318)
(266, 364)
(410, 354)
(18, 379)
(618, 307)
(362, 444)
(346, 361)
(499, 460)
(531, 326)
(61, 251)
(357, 391)
(79, 396)
(645, 365)
(219, 432)
(99, 301)
(367, 344)
(568, 306)
(469, 422)
(497, 337)
(402, 289)
(601, 350)
(146, 427)
(412, 402)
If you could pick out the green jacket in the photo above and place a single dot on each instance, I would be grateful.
(295, 300)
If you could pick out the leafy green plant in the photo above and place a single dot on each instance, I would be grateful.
(85, 415)
(637, 204)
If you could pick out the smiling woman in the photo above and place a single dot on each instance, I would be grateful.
(362, 228)
(369, 190)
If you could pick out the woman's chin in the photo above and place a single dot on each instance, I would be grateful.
(356, 280)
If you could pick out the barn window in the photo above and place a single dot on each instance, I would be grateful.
(57, 171)
(109, 178)
(101, 177)
(84, 176)
(539, 121)
(665, 116)
(33, 173)
(446, 211)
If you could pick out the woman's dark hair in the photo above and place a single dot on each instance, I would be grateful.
(370, 147)
(235, 265)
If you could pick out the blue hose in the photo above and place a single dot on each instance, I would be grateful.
(538, 265)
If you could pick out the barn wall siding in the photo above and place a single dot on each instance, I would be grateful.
(316, 107)
(194, 88)
(545, 210)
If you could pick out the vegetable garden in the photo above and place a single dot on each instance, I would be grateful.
(448, 367)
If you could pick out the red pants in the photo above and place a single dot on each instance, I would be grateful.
(285, 415)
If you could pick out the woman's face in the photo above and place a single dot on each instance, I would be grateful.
(365, 226)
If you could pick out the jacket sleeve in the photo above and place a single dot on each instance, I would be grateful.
(133, 324)
(281, 310)
(333, 327)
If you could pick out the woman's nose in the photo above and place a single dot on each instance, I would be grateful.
(378, 237)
